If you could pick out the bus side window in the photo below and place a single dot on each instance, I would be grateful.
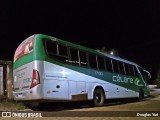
(74, 56)
(121, 67)
(127, 69)
(108, 64)
(63, 50)
(131, 70)
(135, 71)
(56, 51)
(51, 48)
(92, 61)
(83, 58)
(115, 66)
(101, 65)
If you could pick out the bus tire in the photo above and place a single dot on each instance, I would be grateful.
(98, 97)
(141, 95)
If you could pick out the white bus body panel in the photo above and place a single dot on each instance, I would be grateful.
(60, 83)
(23, 79)
(63, 84)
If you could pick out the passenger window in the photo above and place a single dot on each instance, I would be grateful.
(63, 50)
(56, 51)
(127, 69)
(115, 66)
(74, 56)
(101, 65)
(83, 58)
(136, 73)
(108, 64)
(51, 48)
(92, 61)
(121, 67)
(131, 70)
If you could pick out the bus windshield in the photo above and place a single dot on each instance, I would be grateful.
(24, 48)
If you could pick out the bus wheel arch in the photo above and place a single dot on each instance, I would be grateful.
(98, 96)
(140, 94)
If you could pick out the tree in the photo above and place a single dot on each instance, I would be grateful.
(104, 50)
(157, 80)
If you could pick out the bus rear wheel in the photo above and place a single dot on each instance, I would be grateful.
(98, 98)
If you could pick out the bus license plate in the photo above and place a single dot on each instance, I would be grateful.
(20, 95)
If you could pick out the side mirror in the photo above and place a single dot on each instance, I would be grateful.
(148, 74)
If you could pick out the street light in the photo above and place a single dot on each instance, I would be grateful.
(114, 52)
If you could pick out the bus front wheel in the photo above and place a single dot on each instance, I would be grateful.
(141, 95)
(98, 98)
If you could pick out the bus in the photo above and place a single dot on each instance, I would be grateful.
(48, 69)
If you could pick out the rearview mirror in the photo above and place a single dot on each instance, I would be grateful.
(148, 74)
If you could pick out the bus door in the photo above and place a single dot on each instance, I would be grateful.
(77, 90)
(77, 86)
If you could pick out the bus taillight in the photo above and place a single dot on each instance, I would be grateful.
(35, 78)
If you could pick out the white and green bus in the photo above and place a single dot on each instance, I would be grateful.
(47, 69)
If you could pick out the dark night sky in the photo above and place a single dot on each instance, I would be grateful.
(131, 27)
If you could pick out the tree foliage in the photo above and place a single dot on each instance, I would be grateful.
(157, 80)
